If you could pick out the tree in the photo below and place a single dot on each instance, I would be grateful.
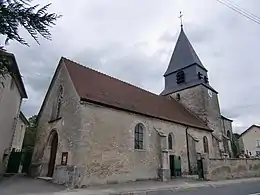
(36, 21)
(30, 133)
(235, 145)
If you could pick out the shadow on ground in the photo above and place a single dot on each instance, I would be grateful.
(18, 185)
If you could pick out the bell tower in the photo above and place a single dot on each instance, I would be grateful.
(186, 80)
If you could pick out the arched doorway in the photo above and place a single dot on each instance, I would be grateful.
(54, 145)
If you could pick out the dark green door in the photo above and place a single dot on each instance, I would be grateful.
(200, 169)
(14, 162)
(177, 163)
(26, 161)
(172, 166)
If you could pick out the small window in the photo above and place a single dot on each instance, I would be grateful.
(206, 80)
(57, 104)
(180, 77)
(258, 143)
(228, 134)
(170, 141)
(178, 96)
(139, 136)
(200, 76)
(205, 145)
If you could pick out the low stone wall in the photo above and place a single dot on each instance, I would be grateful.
(217, 169)
(66, 175)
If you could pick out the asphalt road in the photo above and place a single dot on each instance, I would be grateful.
(252, 188)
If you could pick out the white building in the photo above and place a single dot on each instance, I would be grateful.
(12, 91)
(249, 141)
(18, 137)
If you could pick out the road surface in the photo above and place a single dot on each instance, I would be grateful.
(251, 188)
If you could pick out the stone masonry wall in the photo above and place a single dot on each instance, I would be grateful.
(106, 149)
(67, 127)
(198, 101)
(218, 169)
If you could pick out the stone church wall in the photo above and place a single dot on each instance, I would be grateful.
(67, 126)
(218, 169)
(198, 101)
(106, 149)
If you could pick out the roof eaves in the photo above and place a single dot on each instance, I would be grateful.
(226, 118)
(23, 118)
(15, 69)
(145, 114)
(248, 129)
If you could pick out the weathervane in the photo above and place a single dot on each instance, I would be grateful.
(181, 15)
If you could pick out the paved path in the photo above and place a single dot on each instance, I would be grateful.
(19, 185)
(23, 185)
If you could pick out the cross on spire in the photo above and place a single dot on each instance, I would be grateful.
(181, 15)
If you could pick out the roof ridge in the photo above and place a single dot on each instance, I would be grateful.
(112, 77)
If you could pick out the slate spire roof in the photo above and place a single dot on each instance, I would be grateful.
(183, 55)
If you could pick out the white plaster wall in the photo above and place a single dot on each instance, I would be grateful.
(10, 101)
(19, 135)
(249, 140)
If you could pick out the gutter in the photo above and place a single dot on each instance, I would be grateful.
(188, 152)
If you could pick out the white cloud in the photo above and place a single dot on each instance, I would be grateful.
(132, 37)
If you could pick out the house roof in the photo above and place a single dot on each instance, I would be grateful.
(248, 129)
(98, 88)
(23, 118)
(183, 55)
(16, 73)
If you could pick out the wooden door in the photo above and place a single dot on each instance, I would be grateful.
(54, 145)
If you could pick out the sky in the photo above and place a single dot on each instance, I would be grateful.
(133, 40)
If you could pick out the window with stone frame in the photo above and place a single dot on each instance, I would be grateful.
(57, 104)
(139, 136)
(170, 141)
(205, 144)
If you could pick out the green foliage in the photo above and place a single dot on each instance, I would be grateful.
(16, 13)
(30, 133)
(4, 63)
(235, 145)
(36, 21)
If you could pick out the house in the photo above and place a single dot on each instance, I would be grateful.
(96, 129)
(18, 137)
(249, 141)
(12, 92)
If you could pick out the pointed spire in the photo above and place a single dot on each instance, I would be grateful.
(183, 55)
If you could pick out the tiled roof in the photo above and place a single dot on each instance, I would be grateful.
(102, 89)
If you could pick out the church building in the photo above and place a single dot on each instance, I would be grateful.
(95, 129)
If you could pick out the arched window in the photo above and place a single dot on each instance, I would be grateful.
(60, 97)
(228, 134)
(139, 136)
(57, 104)
(170, 141)
(205, 145)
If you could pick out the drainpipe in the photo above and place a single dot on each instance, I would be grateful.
(188, 152)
